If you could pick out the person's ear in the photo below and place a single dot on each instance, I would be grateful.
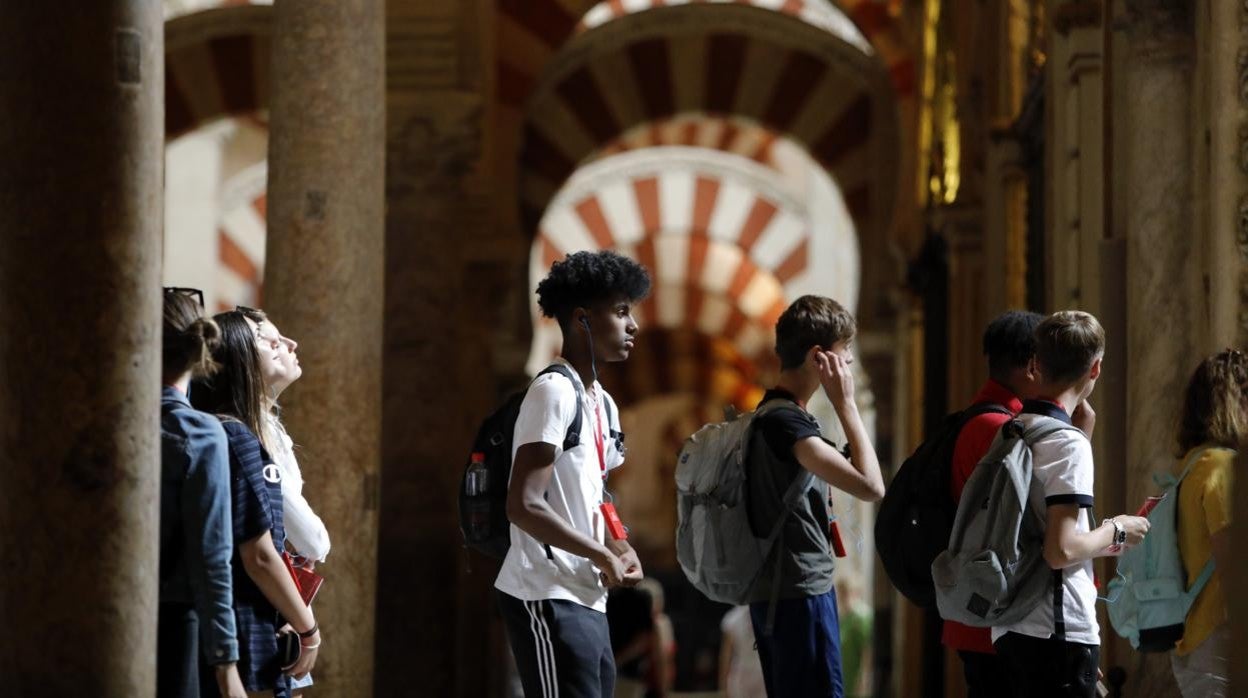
(812, 355)
(1095, 371)
(580, 317)
(1033, 370)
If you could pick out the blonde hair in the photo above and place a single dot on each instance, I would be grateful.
(1068, 342)
(1213, 404)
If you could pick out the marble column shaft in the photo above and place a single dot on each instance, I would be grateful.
(1162, 259)
(81, 161)
(324, 288)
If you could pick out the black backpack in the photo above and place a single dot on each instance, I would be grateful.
(483, 511)
(916, 515)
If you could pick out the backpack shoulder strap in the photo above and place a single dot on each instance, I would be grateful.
(572, 438)
(1045, 427)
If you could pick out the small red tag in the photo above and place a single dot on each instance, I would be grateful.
(834, 535)
(614, 526)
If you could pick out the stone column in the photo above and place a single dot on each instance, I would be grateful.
(1224, 36)
(324, 287)
(1162, 262)
(81, 88)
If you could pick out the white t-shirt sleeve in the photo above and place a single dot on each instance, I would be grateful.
(1063, 465)
(547, 411)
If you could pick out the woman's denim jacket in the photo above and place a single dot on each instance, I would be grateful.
(196, 530)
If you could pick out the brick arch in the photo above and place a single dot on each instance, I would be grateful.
(741, 61)
(727, 247)
(216, 66)
(531, 31)
(728, 134)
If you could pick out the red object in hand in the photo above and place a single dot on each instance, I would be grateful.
(614, 526)
(1149, 503)
(834, 535)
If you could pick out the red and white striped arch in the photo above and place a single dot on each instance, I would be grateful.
(729, 134)
(216, 66)
(721, 59)
(727, 248)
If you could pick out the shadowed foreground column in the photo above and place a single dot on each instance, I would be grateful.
(323, 285)
(81, 157)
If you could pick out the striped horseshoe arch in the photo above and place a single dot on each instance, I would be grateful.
(727, 247)
(720, 60)
(216, 65)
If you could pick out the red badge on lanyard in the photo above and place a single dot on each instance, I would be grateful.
(614, 526)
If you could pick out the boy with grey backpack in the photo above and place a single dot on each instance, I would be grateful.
(753, 503)
(1020, 555)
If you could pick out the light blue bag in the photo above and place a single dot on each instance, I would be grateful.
(1151, 591)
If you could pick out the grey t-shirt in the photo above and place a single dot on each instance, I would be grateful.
(806, 562)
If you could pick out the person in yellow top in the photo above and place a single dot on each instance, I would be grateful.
(1214, 421)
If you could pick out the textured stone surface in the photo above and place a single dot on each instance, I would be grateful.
(324, 282)
(80, 214)
(1163, 331)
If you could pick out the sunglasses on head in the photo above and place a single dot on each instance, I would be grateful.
(194, 292)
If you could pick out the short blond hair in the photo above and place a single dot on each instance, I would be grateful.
(1068, 342)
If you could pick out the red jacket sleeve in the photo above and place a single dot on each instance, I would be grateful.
(972, 445)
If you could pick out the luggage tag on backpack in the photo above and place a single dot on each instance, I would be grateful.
(614, 526)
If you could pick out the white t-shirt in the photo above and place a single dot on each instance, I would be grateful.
(1062, 465)
(529, 572)
(305, 531)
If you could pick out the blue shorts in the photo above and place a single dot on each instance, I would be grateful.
(802, 657)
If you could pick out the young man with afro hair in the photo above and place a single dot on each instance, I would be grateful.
(552, 587)
(801, 654)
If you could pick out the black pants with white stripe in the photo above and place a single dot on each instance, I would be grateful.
(562, 649)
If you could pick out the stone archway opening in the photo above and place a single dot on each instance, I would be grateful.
(216, 149)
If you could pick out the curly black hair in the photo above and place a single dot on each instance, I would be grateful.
(1010, 341)
(584, 278)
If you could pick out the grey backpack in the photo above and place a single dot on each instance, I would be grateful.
(715, 545)
(994, 572)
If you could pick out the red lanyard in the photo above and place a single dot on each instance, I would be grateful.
(598, 440)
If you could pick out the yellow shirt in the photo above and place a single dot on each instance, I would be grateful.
(1204, 509)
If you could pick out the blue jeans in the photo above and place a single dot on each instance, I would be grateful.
(802, 657)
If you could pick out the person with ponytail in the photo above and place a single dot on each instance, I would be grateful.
(266, 601)
(1212, 425)
(196, 617)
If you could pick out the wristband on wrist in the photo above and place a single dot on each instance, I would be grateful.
(1120, 533)
(315, 626)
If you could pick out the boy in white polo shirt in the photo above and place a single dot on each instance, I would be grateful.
(567, 546)
(1054, 650)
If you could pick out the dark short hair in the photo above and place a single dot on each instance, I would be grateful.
(1067, 343)
(1010, 341)
(811, 321)
(585, 278)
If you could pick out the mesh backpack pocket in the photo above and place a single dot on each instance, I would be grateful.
(483, 498)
